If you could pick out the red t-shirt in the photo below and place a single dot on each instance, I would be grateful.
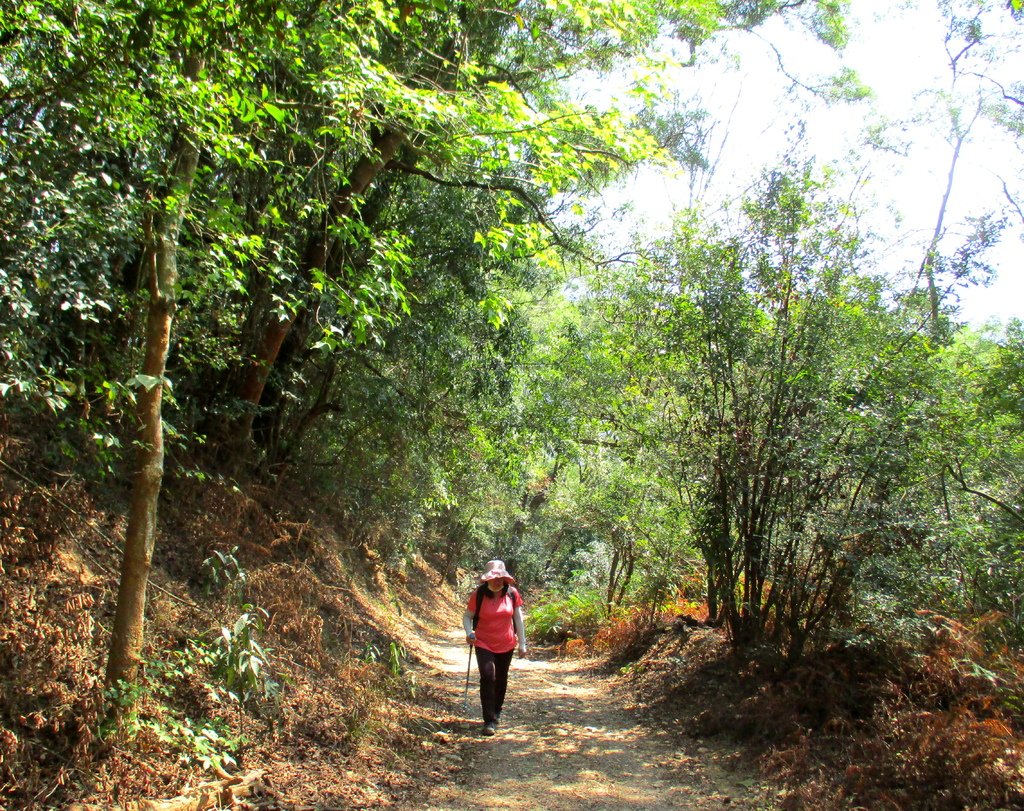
(494, 631)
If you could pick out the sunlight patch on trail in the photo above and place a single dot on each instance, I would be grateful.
(565, 742)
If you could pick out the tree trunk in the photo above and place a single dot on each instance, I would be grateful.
(385, 147)
(932, 253)
(613, 570)
(162, 266)
(712, 591)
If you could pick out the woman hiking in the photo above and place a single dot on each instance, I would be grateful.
(494, 625)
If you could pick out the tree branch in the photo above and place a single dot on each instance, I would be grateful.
(1002, 90)
(519, 193)
(1013, 202)
(959, 478)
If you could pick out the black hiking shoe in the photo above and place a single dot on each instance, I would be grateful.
(489, 728)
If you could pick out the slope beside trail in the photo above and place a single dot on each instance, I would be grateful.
(567, 741)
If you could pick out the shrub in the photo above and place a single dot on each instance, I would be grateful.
(239, 661)
(149, 712)
(558, 620)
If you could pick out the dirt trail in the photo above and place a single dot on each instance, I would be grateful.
(567, 742)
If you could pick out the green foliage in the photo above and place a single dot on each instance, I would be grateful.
(977, 447)
(828, 22)
(396, 289)
(223, 572)
(748, 395)
(240, 662)
(394, 662)
(148, 710)
(396, 654)
(378, 299)
(556, 619)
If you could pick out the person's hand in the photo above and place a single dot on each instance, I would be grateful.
(522, 650)
(470, 638)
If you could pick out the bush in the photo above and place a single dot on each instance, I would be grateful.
(581, 624)
(150, 712)
(555, 620)
(626, 634)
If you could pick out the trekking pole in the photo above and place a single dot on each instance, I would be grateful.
(465, 695)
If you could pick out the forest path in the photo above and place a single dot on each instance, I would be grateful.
(566, 741)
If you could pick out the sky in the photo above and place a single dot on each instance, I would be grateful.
(898, 51)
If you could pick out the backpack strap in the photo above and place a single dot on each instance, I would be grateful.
(481, 593)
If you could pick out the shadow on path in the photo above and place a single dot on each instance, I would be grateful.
(566, 742)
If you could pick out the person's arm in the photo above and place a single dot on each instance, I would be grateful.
(520, 626)
(467, 623)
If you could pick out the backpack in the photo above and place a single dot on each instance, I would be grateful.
(481, 595)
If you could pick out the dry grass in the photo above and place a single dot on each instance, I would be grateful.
(880, 727)
(50, 667)
(339, 715)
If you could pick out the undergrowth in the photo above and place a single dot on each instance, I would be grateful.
(929, 723)
(581, 624)
(262, 646)
(926, 715)
(50, 676)
(559, 619)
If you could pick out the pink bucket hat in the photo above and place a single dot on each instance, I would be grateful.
(496, 569)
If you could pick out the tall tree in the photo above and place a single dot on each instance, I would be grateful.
(161, 268)
(774, 390)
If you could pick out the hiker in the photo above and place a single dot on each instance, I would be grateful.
(494, 625)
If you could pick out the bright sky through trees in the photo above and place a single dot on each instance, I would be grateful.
(757, 89)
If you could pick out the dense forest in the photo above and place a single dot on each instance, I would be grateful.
(355, 252)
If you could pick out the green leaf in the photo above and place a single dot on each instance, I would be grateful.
(276, 112)
(144, 381)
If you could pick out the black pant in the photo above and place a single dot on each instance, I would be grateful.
(493, 681)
